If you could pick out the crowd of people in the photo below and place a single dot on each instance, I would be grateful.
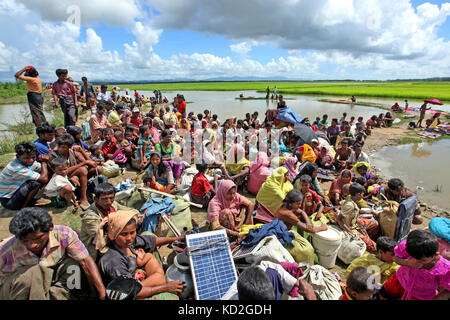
(235, 161)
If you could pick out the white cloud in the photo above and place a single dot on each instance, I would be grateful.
(325, 39)
(110, 12)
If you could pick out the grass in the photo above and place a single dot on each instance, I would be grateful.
(11, 92)
(401, 90)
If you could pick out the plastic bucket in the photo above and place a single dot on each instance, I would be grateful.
(326, 244)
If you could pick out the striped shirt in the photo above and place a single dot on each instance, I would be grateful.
(65, 89)
(62, 241)
(15, 174)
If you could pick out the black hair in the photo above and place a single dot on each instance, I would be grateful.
(58, 161)
(356, 188)
(166, 133)
(25, 147)
(65, 139)
(214, 116)
(325, 116)
(361, 180)
(59, 72)
(45, 128)
(386, 244)
(421, 244)
(358, 280)
(293, 196)
(146, 179)
(142, 129)
(357, 145)
(255, 284)
(104, 189)
(395, 184)
(101, 105)
(334, 120)
(83, 78)
(93, 148)
(305, 178)
(308, 169)
(32, 72)
(200, 117)
(30, 220)
(161, 166)
(344, 142)
(201, 167)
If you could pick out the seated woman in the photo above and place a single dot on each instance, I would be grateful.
(274, 190)
(335, 193)
(259, 172)
(311, 169)
(434, 121)
(128, 255)
(388, 119)
(292, 164)
(236, 166)
(229, 210)
(160, 176)
(297, 221)
(168, 153)
(325, 160)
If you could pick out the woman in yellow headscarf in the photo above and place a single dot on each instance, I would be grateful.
(274, 190)
(236, 166)
(124, 252)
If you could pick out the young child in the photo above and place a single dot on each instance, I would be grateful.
(349, 221)
(201, 190)
(145, 145)
(310, 201)
(423, 271)
(381, 264)
(96, 154)
(60, 190)
(123, 144)
(359, 285)
(58, 133)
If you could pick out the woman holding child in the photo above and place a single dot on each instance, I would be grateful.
(125, 254)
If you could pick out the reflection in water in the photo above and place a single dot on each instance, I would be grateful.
(419, 165)
(419, 152)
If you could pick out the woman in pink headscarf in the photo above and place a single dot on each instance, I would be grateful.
(291, 164)
(259, 171)
(154, 132)
(229, 210)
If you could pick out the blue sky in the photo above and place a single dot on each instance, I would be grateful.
(321, 39)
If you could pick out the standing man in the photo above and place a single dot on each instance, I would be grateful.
(88, 91)
(275, 92)
(65, 97)
(34, 94)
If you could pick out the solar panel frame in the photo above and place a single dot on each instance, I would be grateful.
(212, 267)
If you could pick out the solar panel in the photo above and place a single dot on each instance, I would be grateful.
(212, 267)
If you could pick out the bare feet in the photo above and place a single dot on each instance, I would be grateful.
(84, 205)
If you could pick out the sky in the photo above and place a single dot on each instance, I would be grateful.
(131, 40)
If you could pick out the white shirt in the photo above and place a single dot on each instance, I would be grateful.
(104, 96)
(55, 185)
(362, 157)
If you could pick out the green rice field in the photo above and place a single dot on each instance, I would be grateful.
(406, 90)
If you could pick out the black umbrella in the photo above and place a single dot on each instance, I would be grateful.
(305, 133)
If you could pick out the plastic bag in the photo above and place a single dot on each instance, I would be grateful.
(388, 218)
(324, 283)
(270, 249)
(111, 169)
(351, 248)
